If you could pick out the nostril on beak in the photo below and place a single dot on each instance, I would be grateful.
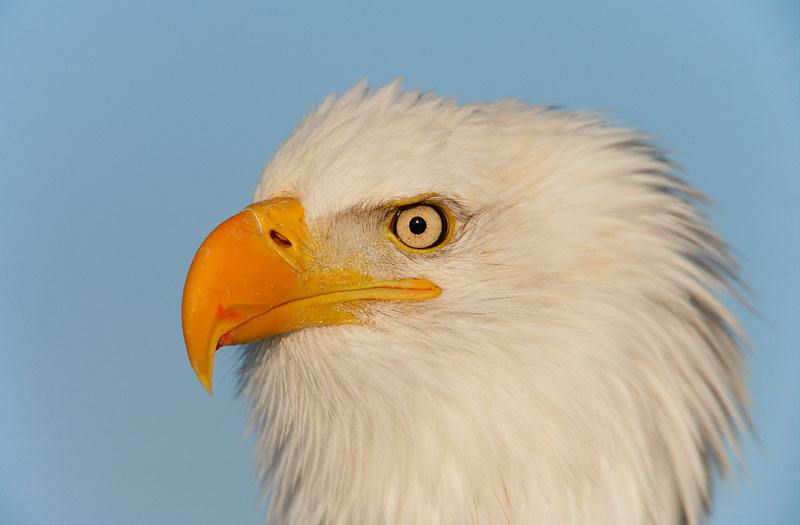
(279, 238)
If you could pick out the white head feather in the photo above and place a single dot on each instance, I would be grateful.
(578, 366)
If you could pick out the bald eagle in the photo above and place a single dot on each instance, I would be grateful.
(484, 313)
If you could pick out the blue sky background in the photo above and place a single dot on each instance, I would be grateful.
(129, 129)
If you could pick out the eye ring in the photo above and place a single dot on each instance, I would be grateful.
(421, 227)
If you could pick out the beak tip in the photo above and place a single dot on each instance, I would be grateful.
(204, 375)
(205, 380)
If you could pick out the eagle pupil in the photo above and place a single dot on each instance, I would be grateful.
(417, 225)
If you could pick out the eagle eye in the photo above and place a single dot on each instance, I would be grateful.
(420, 226)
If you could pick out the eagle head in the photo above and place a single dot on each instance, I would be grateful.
(473, 313)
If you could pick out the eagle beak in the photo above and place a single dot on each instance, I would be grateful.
(255, 276)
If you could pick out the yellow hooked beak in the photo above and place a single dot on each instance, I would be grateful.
(253, 277)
